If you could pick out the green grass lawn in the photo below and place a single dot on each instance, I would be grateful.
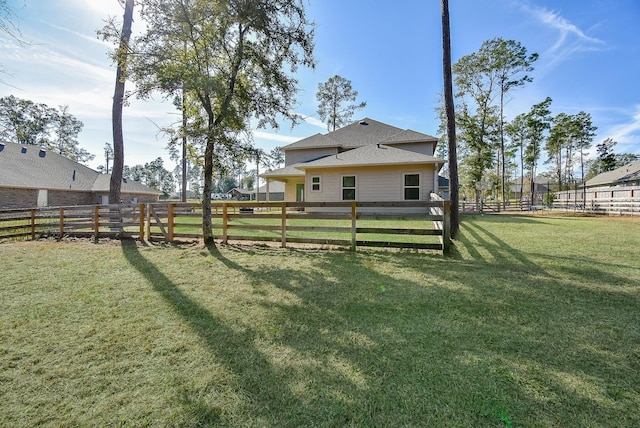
(533, 321)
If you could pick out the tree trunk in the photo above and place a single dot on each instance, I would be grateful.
(184, 148)
(584, 190)
(502, 157)
(521, 173)
(116, 112)
(207, 226)
(451, 120)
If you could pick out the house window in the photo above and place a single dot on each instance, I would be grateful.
(412, 187)
(349, 188)
(315, 184)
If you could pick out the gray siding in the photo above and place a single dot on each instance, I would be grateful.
(373, 184)
(422, 148)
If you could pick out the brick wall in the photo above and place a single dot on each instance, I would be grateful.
(18, 198)
(28, 198)
(59, 198)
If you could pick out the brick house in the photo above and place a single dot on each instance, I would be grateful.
(31, 176)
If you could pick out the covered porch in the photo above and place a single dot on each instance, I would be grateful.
(293, 180)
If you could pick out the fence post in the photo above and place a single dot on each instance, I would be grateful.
(224, 222)
(33, 224)
(171, 220)
(446, 226)
(147, 221)
(353, 226)
(96, 222)
(141, 221)
(284, 225)
(61, 221)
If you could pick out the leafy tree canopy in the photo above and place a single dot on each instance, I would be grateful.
(331, 96)
(608, 160)
(236, 58)
(56, 129)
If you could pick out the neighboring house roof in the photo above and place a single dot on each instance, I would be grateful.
(622, 175)
(371, 155)
(240, 191)
(361, 133)
(103, 184)
(32, 167)
(443, 181)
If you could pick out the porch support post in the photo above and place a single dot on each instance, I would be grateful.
(266, 188)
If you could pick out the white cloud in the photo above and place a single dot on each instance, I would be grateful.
(569, 39)
(102, 8)
(275, 137)
(566, 28)
(93, 39)
(627, 134)
(314, 122)
(310, 120)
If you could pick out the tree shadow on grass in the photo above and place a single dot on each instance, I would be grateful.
(586, 270)
(372, 339)
(496, 248)
(428, 341)
(385, 341)
(224, 343)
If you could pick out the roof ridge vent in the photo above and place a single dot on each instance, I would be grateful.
(363, 122)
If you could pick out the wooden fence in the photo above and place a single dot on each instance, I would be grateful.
(419, 225)
(97, 221)
(618, 200)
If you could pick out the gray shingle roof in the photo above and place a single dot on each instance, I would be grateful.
(371, 155)
(361, 133)
(287, 171)
(32, 167)
(624, 174)
(317, 140)
(409, 136)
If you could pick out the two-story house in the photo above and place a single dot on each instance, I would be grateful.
(367, 161)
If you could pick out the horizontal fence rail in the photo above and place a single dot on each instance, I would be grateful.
(91, 221)
(603, 206)
(418, 225)
(607, 206)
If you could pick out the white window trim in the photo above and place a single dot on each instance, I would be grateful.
(355, 188)
(419, 186)
(319, 183)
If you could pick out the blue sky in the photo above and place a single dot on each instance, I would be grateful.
(391, 51)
